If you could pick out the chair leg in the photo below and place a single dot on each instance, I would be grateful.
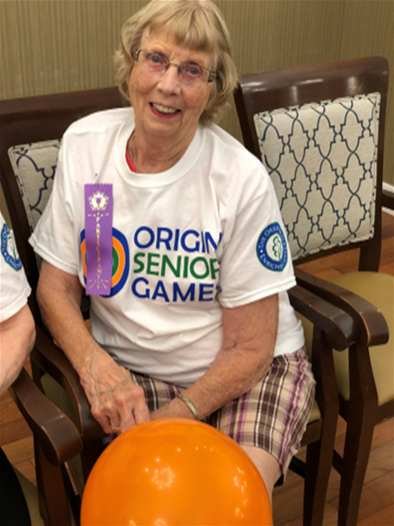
(360, 414)
(314, 488)
(52, 497)
(358, 443)
(317, 473)
(320, 453)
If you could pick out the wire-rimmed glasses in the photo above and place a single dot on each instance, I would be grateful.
(155, 62)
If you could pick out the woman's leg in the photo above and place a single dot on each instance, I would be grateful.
(269, 420)
(267, 465)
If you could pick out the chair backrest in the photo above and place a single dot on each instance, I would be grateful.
(30, 135)
(319, 131)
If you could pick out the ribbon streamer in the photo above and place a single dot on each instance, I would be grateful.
(98, 230)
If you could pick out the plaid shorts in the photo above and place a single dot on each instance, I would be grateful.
(273, 415)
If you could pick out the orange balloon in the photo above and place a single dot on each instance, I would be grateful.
(174, 472)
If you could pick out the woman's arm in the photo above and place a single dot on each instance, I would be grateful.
(249, 340)
(115, 400)
(249, 334)
(17, 335)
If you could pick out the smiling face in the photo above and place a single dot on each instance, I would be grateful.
(165, 107)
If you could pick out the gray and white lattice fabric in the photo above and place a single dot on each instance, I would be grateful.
(34, 167)
(322, 160)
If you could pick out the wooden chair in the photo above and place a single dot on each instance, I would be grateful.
(30, 131)
(38, 124)
(56, 440)
(319, 130)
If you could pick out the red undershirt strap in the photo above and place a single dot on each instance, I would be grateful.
(130, 163)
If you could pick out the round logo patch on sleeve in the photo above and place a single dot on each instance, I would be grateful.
(272, 249)
(8, 249)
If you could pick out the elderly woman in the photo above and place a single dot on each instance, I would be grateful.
(189, 312)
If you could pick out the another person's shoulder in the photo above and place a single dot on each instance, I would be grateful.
(15, 288)
(9, 255)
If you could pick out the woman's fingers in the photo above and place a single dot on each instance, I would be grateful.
(134, 411)
(141, 413)
(102, 418)
(116, 402)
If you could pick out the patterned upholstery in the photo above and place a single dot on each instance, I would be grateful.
(322, 160)
(34, 166)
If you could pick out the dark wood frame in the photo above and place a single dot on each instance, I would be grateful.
(46, 117)
(268, 91)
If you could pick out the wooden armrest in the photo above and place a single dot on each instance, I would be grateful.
(59, 438)
(339, 327)
(52, 360)
(372, 326)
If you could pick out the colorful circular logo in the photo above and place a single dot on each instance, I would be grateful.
(8, 249)
(272, 249)
(120, 260)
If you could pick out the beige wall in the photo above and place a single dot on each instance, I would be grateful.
(51, 46)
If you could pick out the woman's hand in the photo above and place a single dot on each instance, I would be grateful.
(116, 401)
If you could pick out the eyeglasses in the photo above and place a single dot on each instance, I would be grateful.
(154, 62)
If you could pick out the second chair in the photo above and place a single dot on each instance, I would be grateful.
(319, 130)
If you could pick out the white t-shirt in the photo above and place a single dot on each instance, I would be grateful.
(203, 235)
(14, 288)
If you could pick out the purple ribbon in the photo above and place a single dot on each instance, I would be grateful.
(98, 235)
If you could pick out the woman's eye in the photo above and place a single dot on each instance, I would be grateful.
(193, 70)
(156, 59)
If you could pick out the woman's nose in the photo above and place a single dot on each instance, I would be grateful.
(171, 79)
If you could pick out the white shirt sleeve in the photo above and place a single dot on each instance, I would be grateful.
(15, 288)
(256, 260)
